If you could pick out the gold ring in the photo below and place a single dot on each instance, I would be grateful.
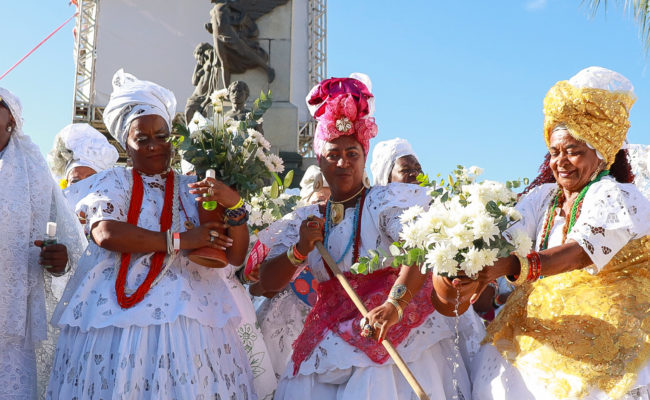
(214, 234)
(376, 325)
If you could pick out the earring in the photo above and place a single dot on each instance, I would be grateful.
(600, 168)
(10, 129)
(366, 180)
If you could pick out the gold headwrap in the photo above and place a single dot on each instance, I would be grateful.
(595, 116)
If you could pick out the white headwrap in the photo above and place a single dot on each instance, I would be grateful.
(81, 145)
(133, 98)
(29, 198)
(384, 156)
(311, 182)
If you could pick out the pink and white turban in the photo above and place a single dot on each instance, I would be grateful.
(343, 107)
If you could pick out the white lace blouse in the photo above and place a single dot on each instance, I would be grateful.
(186, 289)
(612, 214)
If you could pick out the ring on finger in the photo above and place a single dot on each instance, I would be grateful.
(367, 331)
(214, 234)
(363, 322)
(211, 239)
(376, 325)
(313, 224)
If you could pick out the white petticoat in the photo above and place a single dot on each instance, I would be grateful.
(178, 360)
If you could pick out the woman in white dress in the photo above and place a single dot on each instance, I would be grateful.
(582, 331)
(29, 199)
(333, 358)
(138, 319)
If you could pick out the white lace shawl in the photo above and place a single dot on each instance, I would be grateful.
(28, 200)
(639, 157)
(612, 214)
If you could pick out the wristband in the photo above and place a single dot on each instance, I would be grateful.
(177, 241)
(523, 271)
(292, 258)
(238, 205)
(297, 254)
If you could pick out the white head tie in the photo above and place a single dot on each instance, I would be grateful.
(311, 182)
(81, 145)
(384, 156)
(133, 98)
(15, 108)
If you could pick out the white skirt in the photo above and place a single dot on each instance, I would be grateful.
(494, 378)
(177, 360)
(17, 371)
(433, 370)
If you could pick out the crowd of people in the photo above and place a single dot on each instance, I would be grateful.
(116, 309)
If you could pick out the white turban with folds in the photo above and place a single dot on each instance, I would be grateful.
(81, 145)
(384, 156)
(133, 98)
(311, 182)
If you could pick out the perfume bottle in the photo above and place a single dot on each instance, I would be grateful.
(50, 238)
(209, 205)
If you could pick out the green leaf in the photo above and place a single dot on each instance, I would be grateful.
(277, 178)
(275, 190)
(288, 178)
(493, 208)
(394, 250)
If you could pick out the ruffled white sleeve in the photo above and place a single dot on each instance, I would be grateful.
(107, 199)
(284, 233)
(612, 214)
(387, 203)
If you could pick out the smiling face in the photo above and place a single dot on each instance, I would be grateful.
(148, 144)
(572, 161)
(405, 170)
(342, 162)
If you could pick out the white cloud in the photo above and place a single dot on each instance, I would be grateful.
(534, 5)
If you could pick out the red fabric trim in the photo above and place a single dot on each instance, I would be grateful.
(334, 311)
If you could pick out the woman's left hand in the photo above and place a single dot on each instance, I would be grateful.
(503, 266)
(216, 191)
(381, 318)
(54, 256)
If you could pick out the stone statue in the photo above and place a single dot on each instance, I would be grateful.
(234, 32)
(238, 93)
(204, 79)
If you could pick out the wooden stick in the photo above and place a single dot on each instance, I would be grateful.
(404, 369)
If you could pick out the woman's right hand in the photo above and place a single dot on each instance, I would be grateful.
(311, 231)
(206, 235)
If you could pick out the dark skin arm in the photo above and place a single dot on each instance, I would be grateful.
(386, 314)
(276, 273)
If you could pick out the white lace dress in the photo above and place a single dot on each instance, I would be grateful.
(624, 214)
(179, 342)
(338, 370)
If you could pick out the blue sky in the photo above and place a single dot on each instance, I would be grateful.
(463, 81)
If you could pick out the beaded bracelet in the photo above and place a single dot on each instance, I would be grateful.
(292, 258)
(234, 213)
(535, 266)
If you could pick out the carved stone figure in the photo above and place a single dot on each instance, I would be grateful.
(238, 93)
(204, 79)
(234, 32)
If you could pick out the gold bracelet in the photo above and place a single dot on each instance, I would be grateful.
(292, 258)
(400, 312)
(238, 205)
(523, 270)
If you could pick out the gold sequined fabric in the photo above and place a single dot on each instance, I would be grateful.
(574, 325)
(596, 116)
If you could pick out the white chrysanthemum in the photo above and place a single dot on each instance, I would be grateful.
(267, 217)
(460, 236)
(510, 212)
(259, 139)
(474, 170)
(522, 242)
(255, 217)
(413, 236)
(233, 130)
(441, 259)
(473, 263)
(411, 214)
(274, 163)
(484, 228)
(219, 95)
(489, 256)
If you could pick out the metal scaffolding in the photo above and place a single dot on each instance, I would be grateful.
(317, 65)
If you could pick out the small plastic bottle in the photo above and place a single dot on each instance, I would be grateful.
(50, 238)
(209, 205)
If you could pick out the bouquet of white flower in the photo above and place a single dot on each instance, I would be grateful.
(240, 155)
(270, 204)
(461, 230)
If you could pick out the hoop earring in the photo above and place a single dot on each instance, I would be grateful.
(366, 180)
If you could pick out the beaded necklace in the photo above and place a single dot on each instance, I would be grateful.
(354, 237)
(558, 200)
(169, 218)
